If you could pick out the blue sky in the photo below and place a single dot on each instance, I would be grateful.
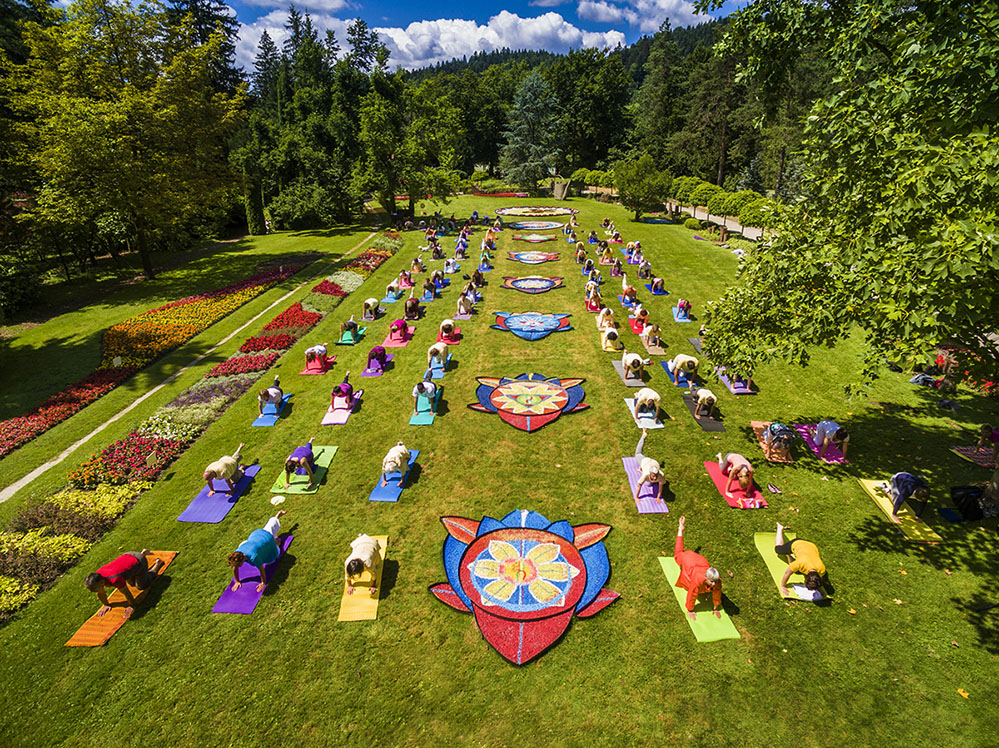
(423, 33)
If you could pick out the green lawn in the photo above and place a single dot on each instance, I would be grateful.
(865, 670)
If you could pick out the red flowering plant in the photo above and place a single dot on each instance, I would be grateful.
(243, 365)
(267, 343)
(330, 288)
(293, 317)
(127, 460)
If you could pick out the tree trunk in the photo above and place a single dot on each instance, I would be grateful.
(780, 168)
(721, 157)
(143, 246)
(253, 201)
(638, 214)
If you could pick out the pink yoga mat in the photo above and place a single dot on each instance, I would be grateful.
(807, 432)
(648, 502)
(453, 340)
(394, 342)
(245, 599)
(310, 369)
(740, 499)
(339, 416)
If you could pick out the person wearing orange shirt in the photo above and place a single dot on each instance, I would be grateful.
(697, 576)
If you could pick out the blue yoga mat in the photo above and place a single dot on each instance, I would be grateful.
(679, 379)
(205, 508)
(392, 491)
(271, 414)
(656, 293)
(437, 371)
(676, 318)
(391, 299)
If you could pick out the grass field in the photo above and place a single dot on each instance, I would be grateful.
(881, 665)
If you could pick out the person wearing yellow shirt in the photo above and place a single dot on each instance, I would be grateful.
(805, 560)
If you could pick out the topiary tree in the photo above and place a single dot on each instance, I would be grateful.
(642, 186)
(757, 213)
(703, 194)
(683, 187)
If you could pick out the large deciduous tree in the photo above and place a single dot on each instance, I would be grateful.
(642, 186)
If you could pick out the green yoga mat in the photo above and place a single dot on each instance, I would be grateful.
(777, 565)
(706, 628)
(324, 456)
(423, 416)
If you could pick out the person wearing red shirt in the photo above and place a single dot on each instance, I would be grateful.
(129, 568)
(697, 576)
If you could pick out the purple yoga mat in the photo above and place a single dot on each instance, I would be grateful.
(647, 502)
(378, 370)
(807, 432)
(205, 508)
(736, 388)
(245, 599)
(339, 416)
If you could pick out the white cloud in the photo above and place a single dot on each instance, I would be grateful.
(548, 3)
(427, 42)
(647, 15)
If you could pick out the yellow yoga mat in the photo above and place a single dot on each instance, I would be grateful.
(910, 527)
(777, 565)
(361, 606)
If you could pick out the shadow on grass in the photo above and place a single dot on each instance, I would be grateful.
(156, 591)
(982, 612)
(281, 573)
(390, 575)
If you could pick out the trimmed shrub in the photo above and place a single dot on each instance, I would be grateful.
(692, 223)
(347, 280)
(37, 542)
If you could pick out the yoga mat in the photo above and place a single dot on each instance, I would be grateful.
(758, 428)
(696, 342)
(391, 342)
(349, 338)
(635, 325)
(736, 388)
(807, 432)
(751, 499)
(420, 311)
(712, 423)
(271, 413)
(339, 416)
(648, 501)
(377, 315)
(777, 565)
(656, 293)
(453, 340)
(681, 380)
(982, 459)
(908, 525)
(391, 299)
(628, 381)
(676, 315)
(624, 302)
(361, 606)
(300, 479)
(951, 515)
(602, 261)
(393, 491)
(437, 371)
(96, 630)
(653, 350)
(378, 371)
(462, 317)
(245, 599)
(311, 370)
(483, 268)
(706, 627)
(428, 299)
(423, 416)
(212, 509)
(645, 421)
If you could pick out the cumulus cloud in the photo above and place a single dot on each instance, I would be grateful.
(323, 6)
(646, 15)
(427, 42)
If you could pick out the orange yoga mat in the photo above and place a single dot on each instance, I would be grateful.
(758, 428)
(98, 629)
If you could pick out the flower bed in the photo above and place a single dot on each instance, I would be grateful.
(330, 288)
(243, 365)
(267, 343)
(293, 316)
(126, 460)
(349, 281)
(17, 431)
(368, 261)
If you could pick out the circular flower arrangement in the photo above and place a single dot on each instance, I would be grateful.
(524, 577)
(529, 401)
(534, 238)
(535, 225)
(532, 258)
(532, 283)
(536, 211)
(532, 325)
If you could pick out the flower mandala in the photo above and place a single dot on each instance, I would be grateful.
(536, 211)
(535, 225)
(532, 283)
(534, 238)
(533, 258)
(532, 325)
(529, 401)
(524, 577)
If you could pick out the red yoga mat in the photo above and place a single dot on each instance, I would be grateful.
(752, 499)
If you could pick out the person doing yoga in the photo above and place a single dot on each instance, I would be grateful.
(365, 556)
(805, 561)
(270, 396)
(736, 468)
(225, 468)
(344, 390)
(829, 432)
(650, 472)
(697, 576)
(258, 550)
(128, 568)
(427, 389)
(301, 457)
(705, 399)
(908, 487)
(646, 402)
(395, 461)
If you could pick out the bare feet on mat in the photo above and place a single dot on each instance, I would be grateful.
(400, 484)
(692, 615)
(145, 551)
(374, 592)
(104, 609)
(894, 518)
(718, 614)
(350, 590)
(157, 565)
(309, 487)
(384, 482)
(281, 513)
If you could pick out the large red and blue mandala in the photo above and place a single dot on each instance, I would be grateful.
(535, 225)
(529, 401)
(534, 238)
(524, 577)
(532, 325)
(532, 283)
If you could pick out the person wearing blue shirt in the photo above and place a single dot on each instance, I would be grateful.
(908, 486)
(258, 550)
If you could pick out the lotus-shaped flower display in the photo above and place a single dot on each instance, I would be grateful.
(533, 257)
(532, 283)
(532, 325)
(529, 401)
(534, 211)
(535, 225)
(524, 577)
(534, 238)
